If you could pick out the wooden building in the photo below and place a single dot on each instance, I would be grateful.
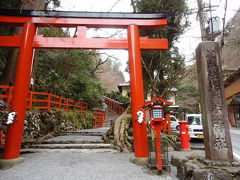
(232, 95)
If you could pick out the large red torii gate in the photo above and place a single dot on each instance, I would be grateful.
(28, 41)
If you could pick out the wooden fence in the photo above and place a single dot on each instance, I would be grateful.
(99, 118)
(47, 101)
(115, 106)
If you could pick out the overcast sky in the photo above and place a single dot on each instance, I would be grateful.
(188, 41)
(191, 38)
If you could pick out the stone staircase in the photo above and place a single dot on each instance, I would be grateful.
(111, 118)
(87, 140)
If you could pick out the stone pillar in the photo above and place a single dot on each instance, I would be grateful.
(217, 138)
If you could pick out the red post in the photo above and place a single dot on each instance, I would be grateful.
(137, 94)
(184, 136)
(66, 108)
(168, 126)
(30, 100)
(75, 105)
(158, 146)
(49, 102)
(22, 83)
(9, 95)
(81, 107)
(60, 103)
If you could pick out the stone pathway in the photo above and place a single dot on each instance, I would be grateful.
(83, 140)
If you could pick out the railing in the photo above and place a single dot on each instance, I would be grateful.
(45, 101)
(115, 106)
(99, 118)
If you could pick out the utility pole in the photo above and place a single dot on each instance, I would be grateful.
(201, 20)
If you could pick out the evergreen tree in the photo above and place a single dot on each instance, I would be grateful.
(162, 70)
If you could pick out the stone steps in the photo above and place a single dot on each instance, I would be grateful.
(73, 146)
(70, 133)
(74, 139)
(35, 150)
(73, 142)
(87, 140)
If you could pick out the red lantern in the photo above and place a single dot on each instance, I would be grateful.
(159, 121)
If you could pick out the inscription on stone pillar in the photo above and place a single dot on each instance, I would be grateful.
(213, 108)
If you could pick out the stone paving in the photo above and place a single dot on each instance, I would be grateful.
(78, 165)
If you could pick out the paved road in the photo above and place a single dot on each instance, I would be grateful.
(235, 136)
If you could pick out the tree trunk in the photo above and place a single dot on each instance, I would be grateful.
(120, 134)
(9, 72)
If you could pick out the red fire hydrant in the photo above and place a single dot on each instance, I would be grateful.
(184, 136)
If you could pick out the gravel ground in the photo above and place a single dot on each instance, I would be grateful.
(75, 165)
(85, 165)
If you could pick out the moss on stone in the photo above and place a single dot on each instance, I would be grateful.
(40, 123)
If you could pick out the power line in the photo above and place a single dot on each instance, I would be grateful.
(113, 6)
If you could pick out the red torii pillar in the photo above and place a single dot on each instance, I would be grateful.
(137, 93)
(22, 83)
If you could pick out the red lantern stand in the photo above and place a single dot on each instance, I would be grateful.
(159, 122)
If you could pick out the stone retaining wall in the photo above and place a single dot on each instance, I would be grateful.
(39, 124)
(195, 167)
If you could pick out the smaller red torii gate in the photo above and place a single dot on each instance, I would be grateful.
(28, 41)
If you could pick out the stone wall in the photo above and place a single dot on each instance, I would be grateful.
(39, 124)
(195, 167)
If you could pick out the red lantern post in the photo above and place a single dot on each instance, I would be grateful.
(159, 121)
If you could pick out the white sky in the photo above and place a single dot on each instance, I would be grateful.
(188, 41)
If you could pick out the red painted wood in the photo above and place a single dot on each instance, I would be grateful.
(22, 82)
(88, 22)
(1, 137)
(82, 43)
(137, 94)
(46, 103)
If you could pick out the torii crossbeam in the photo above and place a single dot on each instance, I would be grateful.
(28, 41)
